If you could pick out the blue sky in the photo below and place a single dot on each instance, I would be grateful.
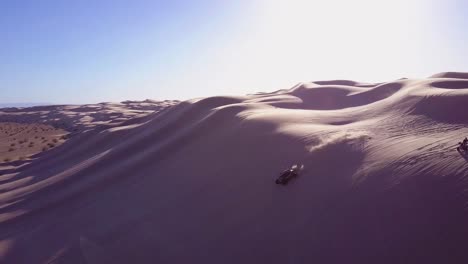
(93, 51)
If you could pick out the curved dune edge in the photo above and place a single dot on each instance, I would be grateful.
(193, 182)
(453, 75)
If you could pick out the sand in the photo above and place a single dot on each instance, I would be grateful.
(21, 141)
(193, 182)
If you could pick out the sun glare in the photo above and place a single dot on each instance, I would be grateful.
(291, 41)
(317, 38)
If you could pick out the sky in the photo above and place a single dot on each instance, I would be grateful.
(90, 51)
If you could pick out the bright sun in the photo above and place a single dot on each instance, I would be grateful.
(286, 42)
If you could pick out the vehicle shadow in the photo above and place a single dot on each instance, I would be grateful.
(464, 154)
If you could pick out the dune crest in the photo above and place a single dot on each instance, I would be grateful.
(194, 181)
(452, 75)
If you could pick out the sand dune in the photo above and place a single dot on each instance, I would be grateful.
(193, 182)
(453, 75)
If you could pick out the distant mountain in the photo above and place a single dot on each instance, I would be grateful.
(5, 105)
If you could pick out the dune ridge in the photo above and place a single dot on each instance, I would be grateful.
(193, 181)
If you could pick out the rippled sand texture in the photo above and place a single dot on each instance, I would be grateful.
(194, 182)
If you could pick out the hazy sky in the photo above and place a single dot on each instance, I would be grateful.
(88, 51)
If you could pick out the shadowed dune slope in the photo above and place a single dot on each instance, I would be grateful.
(194, 182)
(452, 84)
